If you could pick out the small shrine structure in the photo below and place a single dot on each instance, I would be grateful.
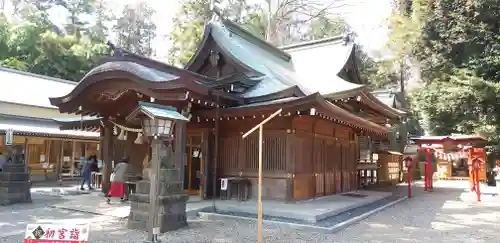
(453, 155)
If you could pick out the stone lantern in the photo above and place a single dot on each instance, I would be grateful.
(165, 208)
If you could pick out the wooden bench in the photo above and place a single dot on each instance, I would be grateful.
(46, 171)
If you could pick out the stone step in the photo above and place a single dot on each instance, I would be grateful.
(14, 176)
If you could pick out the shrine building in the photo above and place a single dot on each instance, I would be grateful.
(331, 132)
(27, 125)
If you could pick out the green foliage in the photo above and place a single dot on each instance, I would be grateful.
(323, 27)
(188, 28)
(34, 47)
(457, 43)
(189, 24)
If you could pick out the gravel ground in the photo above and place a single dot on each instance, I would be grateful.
(441, 216)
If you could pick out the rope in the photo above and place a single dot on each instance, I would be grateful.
(128, 129)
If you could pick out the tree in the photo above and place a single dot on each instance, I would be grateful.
(289, 18)
(187, 31)
(76, 8)
(323, 27)
(135, 29)
(36, 48)
(99, 31)
(190, 21)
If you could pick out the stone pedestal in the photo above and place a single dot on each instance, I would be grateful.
(14, 184)
(171, 205)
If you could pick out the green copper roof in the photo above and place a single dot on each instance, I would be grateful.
(161, 111)
(276, 65)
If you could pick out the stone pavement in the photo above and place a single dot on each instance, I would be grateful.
(441, 216)
(95, 203)
(308, 211)
(312, 210)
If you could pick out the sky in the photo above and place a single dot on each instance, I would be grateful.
(366, 17)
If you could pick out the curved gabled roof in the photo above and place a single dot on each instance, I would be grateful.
(276, 66)
(146, 75)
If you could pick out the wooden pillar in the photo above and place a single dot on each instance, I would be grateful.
(60, 160)
(290, 166)
(106, 146)
(180, 148)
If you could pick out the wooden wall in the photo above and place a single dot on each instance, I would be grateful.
(325, 156)
(303, 157)
(239, 157)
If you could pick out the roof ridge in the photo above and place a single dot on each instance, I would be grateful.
(236, 29)
(35, 75)
(313, 42)
(152, 63)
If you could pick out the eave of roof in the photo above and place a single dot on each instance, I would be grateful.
(32, 89)
(292, 104)
(453, 138)
(147, 80)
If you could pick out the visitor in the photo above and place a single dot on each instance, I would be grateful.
(87, 171)
(118, 178)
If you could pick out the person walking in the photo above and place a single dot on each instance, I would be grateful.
(118, 178)
(87, 172)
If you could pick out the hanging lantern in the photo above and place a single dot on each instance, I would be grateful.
(115, 130)
(139, 138)
(125, 135)
(122, 135)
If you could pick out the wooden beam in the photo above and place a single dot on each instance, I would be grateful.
(259, 194)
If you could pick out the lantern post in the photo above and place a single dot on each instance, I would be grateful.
(158, 125)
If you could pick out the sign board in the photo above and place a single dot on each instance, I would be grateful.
(57, 233)
(223, 184)
(9, 136)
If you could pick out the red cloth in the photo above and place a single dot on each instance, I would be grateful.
(117, 189)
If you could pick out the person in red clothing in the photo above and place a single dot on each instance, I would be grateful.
(118, 178)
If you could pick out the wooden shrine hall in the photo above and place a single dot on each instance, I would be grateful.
(234, 81)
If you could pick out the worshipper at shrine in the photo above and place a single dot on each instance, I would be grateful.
(87, 171)
(118, 178)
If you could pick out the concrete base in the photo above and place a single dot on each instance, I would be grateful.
(171, 205)
(15, 186)
(312, 211)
